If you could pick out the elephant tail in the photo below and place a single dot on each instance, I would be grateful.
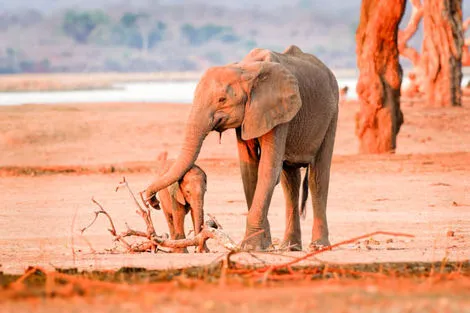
(303, 203)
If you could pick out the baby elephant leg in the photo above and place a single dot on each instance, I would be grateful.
(179, 213)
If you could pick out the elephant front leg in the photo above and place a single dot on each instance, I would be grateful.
(170, 222)
(248, 153)
(272, 146)
(290, 180)
(178, 219)
(197, 215)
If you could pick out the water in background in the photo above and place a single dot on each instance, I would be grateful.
(172, 91)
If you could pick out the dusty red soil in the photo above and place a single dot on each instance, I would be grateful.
(56, 157)
(369, 295)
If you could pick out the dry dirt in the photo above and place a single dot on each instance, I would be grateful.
(54, 158)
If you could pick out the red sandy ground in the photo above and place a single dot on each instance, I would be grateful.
(424, 190)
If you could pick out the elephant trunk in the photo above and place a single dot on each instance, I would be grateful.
(194, 136)
(198, 215)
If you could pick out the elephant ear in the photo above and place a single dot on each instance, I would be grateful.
(274, 98)
(176, 193)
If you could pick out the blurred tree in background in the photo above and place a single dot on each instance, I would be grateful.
(197, 36)
(79, 25)
(143, 35)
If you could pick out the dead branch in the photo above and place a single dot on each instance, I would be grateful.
(198, 241)
(112, 230)
(145, 214)
(405, 35)
(212, 230)
(215, 220)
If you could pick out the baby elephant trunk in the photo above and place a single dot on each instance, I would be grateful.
(197, 214)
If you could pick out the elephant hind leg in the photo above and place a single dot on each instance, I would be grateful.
(290, 181)
(318, 181)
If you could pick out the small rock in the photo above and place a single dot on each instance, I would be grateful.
(450, 233)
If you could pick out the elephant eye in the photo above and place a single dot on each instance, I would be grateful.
(222, 99)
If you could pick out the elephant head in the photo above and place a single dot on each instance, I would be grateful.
(253, 95)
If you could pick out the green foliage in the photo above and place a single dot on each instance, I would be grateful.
(197, 36)
(128, 33)
(157, 34)
(129, 19)
(80, 24)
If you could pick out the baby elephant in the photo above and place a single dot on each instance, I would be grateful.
(186, 195)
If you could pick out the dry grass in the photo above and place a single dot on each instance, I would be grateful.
(39, 283)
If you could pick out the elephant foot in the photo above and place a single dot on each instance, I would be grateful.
(290, 243)
(256, 241)
(319, 244)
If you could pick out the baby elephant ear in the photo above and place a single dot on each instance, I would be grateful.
(176, 193)
(274, 98)
(180, 197)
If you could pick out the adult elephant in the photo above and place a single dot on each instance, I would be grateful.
(284, 107)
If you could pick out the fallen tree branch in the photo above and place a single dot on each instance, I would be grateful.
(112, 230)
(212, 230)
(145, 214)
(208, 232)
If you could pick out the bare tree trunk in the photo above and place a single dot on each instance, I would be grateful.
(408, 32)
(466, 44)
(442, 52)
(415, 88)
(378, 87)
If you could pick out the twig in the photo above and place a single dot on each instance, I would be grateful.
(112, 230)
(249, 237)
(145, 214)
(124, 183)
(143, 200)
(72, 239)
(215, 220)
(341, 243)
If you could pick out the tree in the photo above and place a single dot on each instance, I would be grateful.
(416, 75)
(466, 45)
(380, 75)
(79, 25)
(436, 70)
(197, 36)
(138, 30)
(442, 52)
